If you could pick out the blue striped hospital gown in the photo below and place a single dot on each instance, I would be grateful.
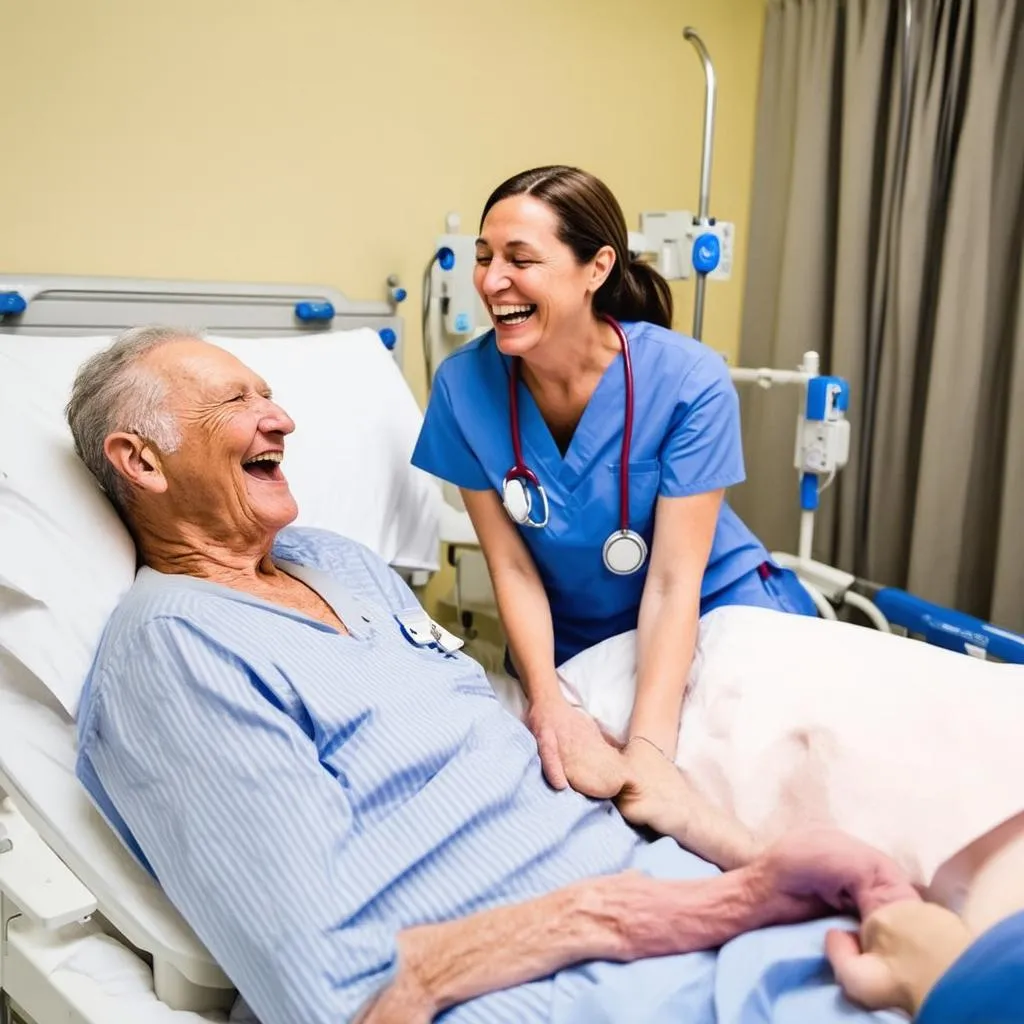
(303, 795)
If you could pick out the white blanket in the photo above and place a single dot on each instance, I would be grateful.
(788, 719)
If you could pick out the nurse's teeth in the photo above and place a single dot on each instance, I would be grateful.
(510, 310)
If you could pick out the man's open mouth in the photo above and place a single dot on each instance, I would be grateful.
(266, 466)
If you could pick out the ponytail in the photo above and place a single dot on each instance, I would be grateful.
(636, 292)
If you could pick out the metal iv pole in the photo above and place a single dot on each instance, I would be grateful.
(702, 220)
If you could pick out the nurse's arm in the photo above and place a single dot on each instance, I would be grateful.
(669, 613)
(522, 601)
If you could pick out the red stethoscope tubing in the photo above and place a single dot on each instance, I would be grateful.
(521, 470)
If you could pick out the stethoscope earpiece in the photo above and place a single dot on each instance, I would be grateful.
(625, 551)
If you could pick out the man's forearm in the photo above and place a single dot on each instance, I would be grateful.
(659, 796)
(621, 917)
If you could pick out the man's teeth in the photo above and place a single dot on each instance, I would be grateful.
(265, 457)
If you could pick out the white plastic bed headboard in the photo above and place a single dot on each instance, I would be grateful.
(54, 305)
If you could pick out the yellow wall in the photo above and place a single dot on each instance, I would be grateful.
(324, 140)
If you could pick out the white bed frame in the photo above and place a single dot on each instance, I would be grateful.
(47, 909)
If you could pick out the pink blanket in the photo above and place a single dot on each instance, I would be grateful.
(790, 720)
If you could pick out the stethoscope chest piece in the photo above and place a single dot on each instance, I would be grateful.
(515, 495)
(624, 552)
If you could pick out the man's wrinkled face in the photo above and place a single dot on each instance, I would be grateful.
(226, 473)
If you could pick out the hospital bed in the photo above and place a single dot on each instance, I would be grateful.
(87, 937)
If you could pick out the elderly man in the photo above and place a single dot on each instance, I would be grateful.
(336, 802)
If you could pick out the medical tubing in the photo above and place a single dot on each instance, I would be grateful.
(519, 469)
(627, 426)
(425, 315)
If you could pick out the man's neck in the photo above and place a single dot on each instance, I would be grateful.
(187, 551)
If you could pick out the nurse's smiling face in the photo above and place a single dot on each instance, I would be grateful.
(531, 282)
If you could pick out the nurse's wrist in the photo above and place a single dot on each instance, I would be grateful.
(653, 744)
(645, 731)
(547, 696)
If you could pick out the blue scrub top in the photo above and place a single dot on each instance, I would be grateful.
(686, 440)
(986, 984)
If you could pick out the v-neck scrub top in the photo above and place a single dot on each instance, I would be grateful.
(686, 440)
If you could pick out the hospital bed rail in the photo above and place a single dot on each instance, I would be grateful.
(894, 610)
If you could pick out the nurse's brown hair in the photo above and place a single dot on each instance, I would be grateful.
(589, 217)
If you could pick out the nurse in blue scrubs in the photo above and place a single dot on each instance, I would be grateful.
(592, 445)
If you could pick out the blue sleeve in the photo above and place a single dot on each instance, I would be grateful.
(986, 984)
(442, 449)
(247, 833)
(703, 450)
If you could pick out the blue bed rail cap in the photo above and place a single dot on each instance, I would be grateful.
(950, 629)
(12, 303)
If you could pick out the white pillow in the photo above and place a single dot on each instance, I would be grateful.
(65, 557)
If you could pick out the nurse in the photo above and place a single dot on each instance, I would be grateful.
(592, 446)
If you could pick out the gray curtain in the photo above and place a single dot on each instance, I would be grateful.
(886, 233)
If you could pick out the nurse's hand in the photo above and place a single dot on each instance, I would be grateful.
(902, 951)
(573, 750)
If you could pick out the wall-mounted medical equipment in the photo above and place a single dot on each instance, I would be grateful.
(452, 311)
(822, 448)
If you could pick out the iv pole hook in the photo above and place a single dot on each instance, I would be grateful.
(691, 36)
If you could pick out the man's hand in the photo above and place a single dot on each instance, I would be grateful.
(573, 750)
(903, 950)
(657, 795)
(828, 867)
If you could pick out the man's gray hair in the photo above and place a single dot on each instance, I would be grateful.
(113, 392)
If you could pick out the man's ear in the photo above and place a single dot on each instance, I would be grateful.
(137, 461)
(600, 267)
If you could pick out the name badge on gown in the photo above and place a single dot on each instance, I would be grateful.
(422, 631)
